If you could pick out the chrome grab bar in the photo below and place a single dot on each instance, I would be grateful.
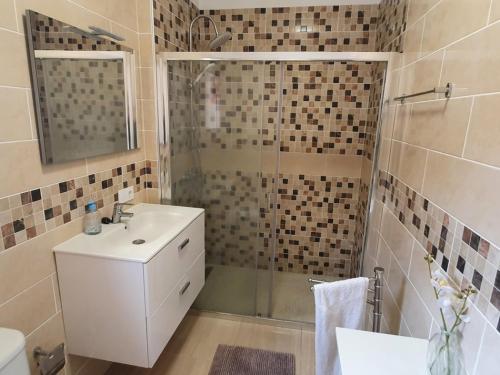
(447, 90)
(377, 291)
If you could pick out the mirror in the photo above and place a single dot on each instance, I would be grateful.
(83, 90)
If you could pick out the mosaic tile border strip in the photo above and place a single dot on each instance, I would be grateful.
(29, 214)
(464, 255)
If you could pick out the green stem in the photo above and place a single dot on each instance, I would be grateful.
(458, 320)
(437, 295)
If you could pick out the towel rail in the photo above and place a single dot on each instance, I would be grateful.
(377, 291)
(436, 90)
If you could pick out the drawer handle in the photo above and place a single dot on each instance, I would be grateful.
(184, 288)
(183, 244)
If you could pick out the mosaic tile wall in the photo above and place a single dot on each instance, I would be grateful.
(326, 107)
(391, 25)
(32, 213)
(49, 33)
(316, 219)
(466, 257)
(327, 110)
(231, 199)
(314, 28)
(171, 19)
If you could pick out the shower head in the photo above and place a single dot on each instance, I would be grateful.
(220, 39)
(202, 73)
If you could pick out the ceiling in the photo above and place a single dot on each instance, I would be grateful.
(238, 4)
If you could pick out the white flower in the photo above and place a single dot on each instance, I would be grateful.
(445, 302)
(465, 318)
(435, 284)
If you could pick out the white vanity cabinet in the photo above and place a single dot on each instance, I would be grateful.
(126, 310)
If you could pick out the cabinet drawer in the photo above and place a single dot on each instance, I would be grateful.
(163, 323)
(164, 271)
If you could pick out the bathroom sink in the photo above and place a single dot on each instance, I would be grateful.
(137, 238)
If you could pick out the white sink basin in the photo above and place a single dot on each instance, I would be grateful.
(137, 238)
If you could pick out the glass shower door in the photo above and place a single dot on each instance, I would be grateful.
(216, 140)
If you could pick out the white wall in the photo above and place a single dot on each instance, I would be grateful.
(239, 4)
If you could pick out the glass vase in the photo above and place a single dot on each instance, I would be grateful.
(445, 356)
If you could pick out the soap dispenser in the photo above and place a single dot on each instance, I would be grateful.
(92, 219)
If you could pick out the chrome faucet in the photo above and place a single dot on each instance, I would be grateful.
(118, 212)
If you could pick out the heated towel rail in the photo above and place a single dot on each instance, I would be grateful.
(377, 292)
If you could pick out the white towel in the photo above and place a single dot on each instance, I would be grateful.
(338, 304)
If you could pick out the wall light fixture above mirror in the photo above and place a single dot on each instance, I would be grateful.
(83, 90)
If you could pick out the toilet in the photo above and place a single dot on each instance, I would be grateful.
(13, 360)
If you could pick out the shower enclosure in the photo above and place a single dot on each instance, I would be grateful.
(280, 150)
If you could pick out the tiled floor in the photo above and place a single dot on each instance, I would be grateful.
(191, 350)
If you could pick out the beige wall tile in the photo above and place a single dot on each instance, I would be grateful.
(419, 277)
(413, 42)
(472, 333)
(384, 153)
(29, 172)
(391, 314)
(31, 261)
(147, 87)
(387, 120)
(227, 160)
(131, 38)
(144, 16)
(150, 145)
(397, 238)
(439, 125)
(484, 131)
(318, 164)
(495, 11)
(146, 50)
(62, 10)
(451, 20)
(120, 11)
(14, 67)
(148, 115)
(417, 8)
(153, 196)
(344, 166)
(421, 76)
(489, 360)
(8, 15)
(106, 162)
(14, 115)
(50, 334)
(28, 310)
(415, 314)
(383, 257)
(397, 282)
(472, 64)
(456, 184)
(407, 163)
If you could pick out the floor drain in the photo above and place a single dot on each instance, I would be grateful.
(138, 242)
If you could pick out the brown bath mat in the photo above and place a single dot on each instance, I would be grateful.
(236, 360)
